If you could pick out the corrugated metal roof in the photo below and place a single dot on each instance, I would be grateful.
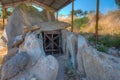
(51, 4)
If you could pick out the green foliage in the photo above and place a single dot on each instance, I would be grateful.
(101, 48)
(9, 13)
(118, 3)
(110, 41)
(106, 41)
(79, 13)
(80, 22)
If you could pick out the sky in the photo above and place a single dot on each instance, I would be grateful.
(88, 5)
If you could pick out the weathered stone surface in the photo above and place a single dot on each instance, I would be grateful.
(46, 68)
(100, 66)
(54, 25)
(22, 17)
(40, 67)
(96, 65)
(82, 43)
(70, 46)
(13, 66)
(11, 52)
(113, 51)
(64, 39)
(33, 46)
(15, 42)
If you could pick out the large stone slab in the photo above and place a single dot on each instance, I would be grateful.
(100, 66)
(82, 43)
(40, 67)
(24, 16)
(33, 46)
(69, 43)
(96, 65)
(14, 65)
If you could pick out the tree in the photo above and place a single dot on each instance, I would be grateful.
(79, 13)
(92, 11)
(118, 3)
(85, 13)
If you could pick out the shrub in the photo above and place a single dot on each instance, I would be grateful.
(101, 48)
(80, 22)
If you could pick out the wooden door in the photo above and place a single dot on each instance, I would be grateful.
(52, 41)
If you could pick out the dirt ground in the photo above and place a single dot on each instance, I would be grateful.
(3, 50)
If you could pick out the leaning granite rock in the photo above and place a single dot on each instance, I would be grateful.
(23, 17)
(96, 65)
(41, 67)
(13, 66)
(82, 43)
(33, 46)
(69, 44)
(46, 68)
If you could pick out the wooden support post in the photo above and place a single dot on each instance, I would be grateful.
(57, 16)
(97, 21)
(3, 15)
(48, 15)
(72, 16)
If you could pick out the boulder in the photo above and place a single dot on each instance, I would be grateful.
(71, 48)
(82, 43)
(13, 66)
(69, 44)
(40, 66)
(24, 16)
(100, 66)
(11, 52)
(46, 68)
(33, 46)
(96, 65)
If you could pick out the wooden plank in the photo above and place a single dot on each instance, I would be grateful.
(44, 6)
(13, 4)
(52, 50)
(49, 16)
(54, 46)
(33, 28)
(52, 32)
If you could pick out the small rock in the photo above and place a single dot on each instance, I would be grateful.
(33, 79)
(113, 51)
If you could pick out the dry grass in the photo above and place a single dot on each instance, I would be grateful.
(3, 50)
(109, 24)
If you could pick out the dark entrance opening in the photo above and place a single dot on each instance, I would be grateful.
(52, 41)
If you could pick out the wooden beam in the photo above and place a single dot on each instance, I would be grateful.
(13, 4)
(3, 15)
(57, 15)
(72, 16)
(64, 4)
(44, 6)
(97, 20)
(52, 2)
(48, 15)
